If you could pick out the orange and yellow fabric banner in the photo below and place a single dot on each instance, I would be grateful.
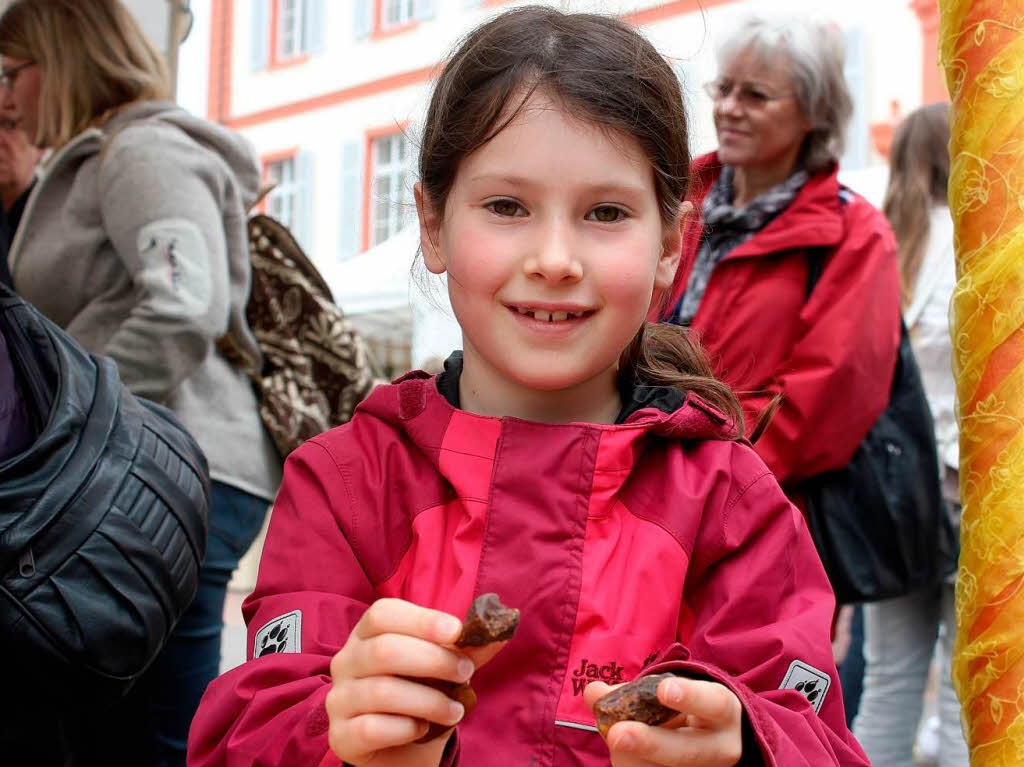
(982, 51)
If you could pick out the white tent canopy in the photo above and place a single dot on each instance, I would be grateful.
(378, 288)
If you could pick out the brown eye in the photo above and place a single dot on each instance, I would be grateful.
(606, 214)
(505, 207)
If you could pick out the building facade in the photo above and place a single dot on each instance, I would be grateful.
(332, 92)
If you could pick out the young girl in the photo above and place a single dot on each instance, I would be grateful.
(578, 462)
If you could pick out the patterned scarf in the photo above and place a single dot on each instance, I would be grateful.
(727, 227)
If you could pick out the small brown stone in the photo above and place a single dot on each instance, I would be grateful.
(488, 620)
(636, 701)
(461, 693)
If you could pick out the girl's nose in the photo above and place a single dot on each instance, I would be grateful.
(555, 256)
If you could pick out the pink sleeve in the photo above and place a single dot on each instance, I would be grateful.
(312, 587)
(760, 612)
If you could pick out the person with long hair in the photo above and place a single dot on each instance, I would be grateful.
(583, 464)
(134, 241)
(900, 634)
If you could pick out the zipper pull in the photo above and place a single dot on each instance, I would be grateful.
(27, 564)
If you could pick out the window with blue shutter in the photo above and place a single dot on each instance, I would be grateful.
(259, 37)
(858, 134)
(316, 21)
(350, 222)
(426, 9)
(304, 179)
(362, 22)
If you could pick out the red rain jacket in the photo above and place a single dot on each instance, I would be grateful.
(831, 356)
(646, 546)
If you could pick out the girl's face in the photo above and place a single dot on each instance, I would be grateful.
(21, 88)
(759, 122)
(553, 244)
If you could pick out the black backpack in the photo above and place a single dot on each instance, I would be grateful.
(880, 523)
(102, 521)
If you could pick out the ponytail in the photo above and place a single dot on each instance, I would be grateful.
(664, 355)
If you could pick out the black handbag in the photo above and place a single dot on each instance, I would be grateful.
(102, 520)
(880, 523)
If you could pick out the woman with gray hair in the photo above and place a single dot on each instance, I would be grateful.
(790, 279)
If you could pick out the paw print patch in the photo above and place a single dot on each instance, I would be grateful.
(809, 682)
(283, 634)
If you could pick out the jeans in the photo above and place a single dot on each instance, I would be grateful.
(851, 672)
(152, 721)
(900, 637)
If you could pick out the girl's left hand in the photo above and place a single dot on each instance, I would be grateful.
(707, 732)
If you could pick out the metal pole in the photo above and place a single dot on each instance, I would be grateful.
(177, 13)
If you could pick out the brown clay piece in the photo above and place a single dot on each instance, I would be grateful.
(488, 620)
(635, 701)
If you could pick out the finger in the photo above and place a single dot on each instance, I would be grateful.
(594, 691)
(365, 734)
(402, 655)
(707, 704)
(480, 655)
(633, 742)
(396, 616)
(391, 695)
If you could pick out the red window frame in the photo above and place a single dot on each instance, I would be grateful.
(265, 161)
(370, 136)
(380, 31)
(274, 61)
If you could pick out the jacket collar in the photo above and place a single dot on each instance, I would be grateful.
(660, 410)
(812, 220)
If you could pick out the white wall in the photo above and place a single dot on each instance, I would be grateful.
(892, 51)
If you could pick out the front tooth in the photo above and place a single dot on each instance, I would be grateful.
(559, 316)
(542, 315)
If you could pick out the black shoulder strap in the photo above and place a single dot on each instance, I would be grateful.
(815, 265)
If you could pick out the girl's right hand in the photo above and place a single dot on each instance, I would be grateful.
(376, 712)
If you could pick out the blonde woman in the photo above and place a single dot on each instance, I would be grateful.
(134, 241)
(900, 634)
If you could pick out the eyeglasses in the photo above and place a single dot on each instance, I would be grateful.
(8, 77)
(749, 95)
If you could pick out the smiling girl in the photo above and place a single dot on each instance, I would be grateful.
(577, 461)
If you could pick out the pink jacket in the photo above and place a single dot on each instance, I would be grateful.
(648, 546)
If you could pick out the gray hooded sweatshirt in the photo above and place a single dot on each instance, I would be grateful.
(134, 241)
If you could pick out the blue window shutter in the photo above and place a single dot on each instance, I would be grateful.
(259, 42)
(363, 21)
(303, 225)
(350, 236)
(858, 134)
(426, 9)
(316, 20)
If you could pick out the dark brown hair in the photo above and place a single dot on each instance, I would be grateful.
(918, 180)
(600, 70)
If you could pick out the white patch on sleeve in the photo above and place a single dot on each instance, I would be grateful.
(176, 265)
(283, 634)
(810, 682)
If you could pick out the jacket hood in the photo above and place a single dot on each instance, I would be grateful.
(236, 152)
(419, 404)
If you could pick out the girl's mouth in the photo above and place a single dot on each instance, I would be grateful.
(556, 315)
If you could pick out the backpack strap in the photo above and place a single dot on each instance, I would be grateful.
(815, 266)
